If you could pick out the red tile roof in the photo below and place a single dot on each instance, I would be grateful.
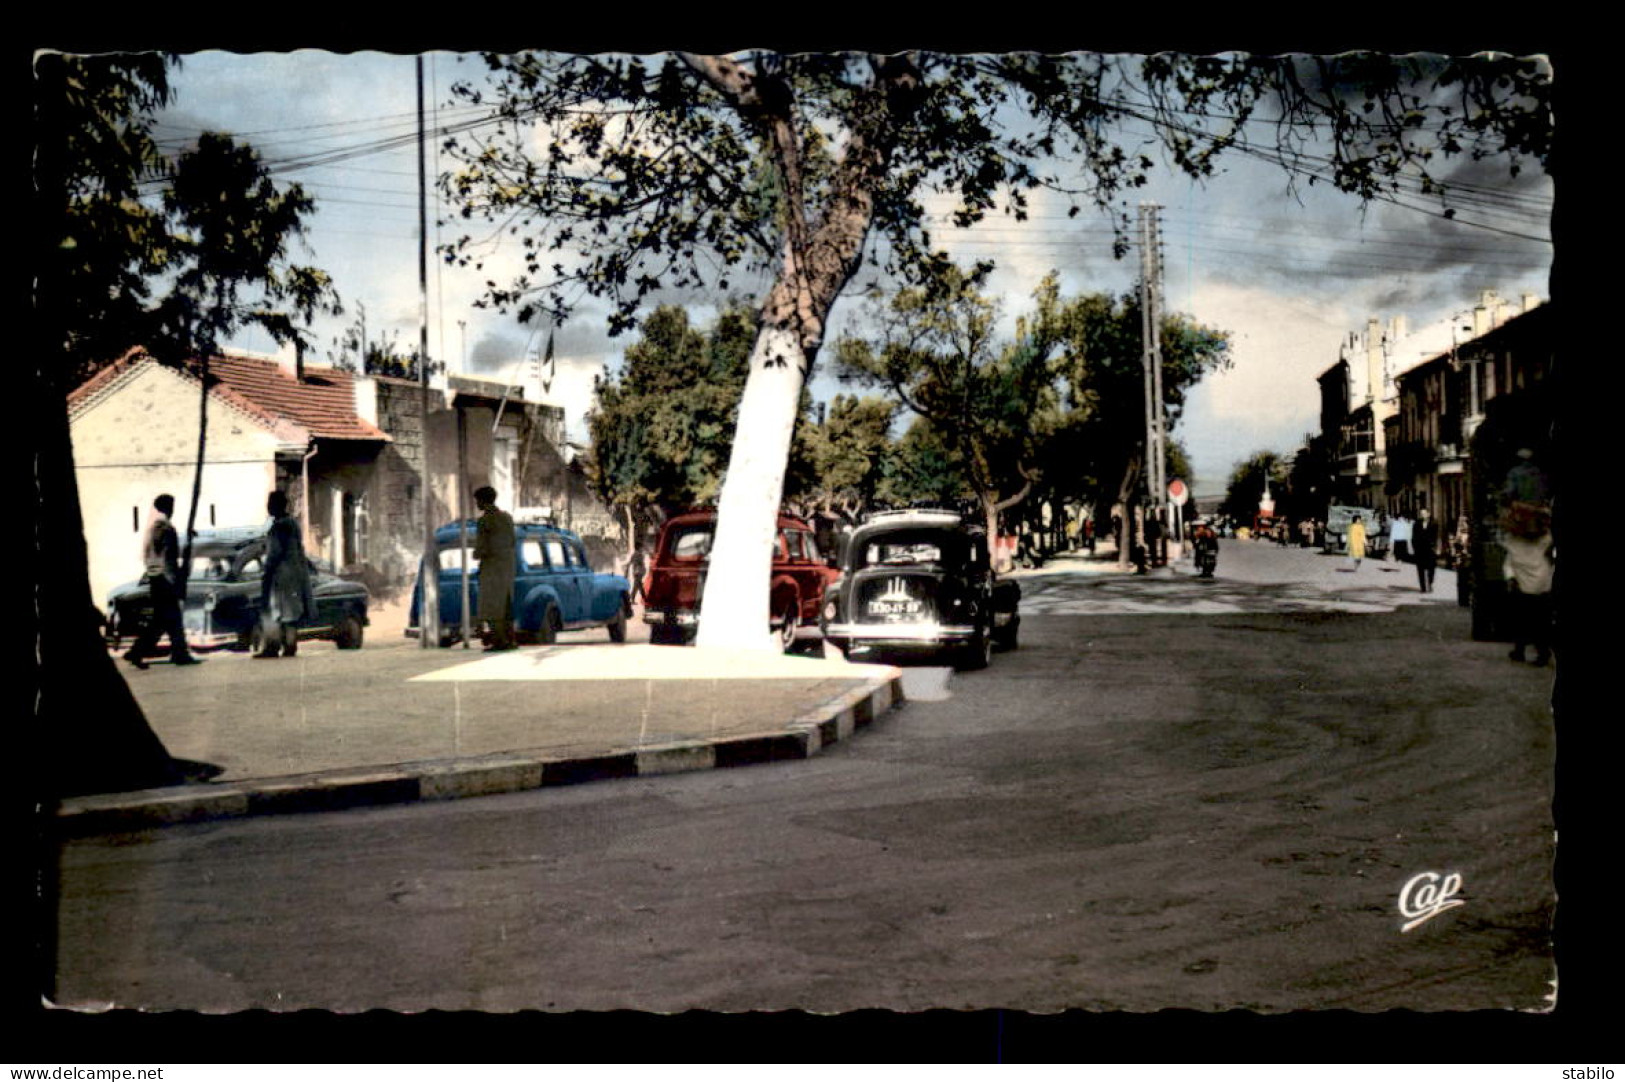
(323, 405)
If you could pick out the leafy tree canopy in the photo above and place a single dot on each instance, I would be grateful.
(621, 175)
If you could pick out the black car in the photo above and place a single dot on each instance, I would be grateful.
(920, 583)
(222, 605)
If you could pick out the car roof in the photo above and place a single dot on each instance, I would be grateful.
(892, 521)
(710, 515)
(450, 530)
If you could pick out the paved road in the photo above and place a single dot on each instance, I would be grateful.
(1148, 805)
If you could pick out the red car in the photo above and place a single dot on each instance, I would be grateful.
(676, 580)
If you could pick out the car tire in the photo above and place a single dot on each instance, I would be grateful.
(617, 626)
(1006, 637)
(349, 633)
(548, 633)
(789, 620)
(977, 654)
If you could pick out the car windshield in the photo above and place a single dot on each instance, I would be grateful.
(912, 548)
(690, 543)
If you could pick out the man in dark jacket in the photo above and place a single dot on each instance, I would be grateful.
(160, 551)
(1425, 548)
(494, 547)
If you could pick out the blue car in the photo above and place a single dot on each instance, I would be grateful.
(555, 589)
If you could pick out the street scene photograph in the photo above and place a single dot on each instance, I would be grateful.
(807, 532)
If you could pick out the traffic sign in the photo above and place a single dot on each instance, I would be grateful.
(1178, 493)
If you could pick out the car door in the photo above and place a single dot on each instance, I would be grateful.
(563, 574)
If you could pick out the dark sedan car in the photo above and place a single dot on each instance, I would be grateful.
(920, 583)
(223, 597)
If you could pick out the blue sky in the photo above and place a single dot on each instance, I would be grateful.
(1288, 272)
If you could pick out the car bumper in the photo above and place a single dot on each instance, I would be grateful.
(667, 618)
(922, 637)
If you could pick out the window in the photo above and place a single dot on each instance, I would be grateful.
(451, 559)
(530, 550)
(356, 527)
(793, 539)
(555, 554)
(692, 544)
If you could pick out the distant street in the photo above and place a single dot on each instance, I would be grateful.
(1236, 793)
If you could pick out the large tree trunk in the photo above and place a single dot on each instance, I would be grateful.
(92, 735)
(734, 611)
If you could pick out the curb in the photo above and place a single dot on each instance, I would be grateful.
(487, 775)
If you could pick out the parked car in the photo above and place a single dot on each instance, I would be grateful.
(920, 583)
(222, 606)
(554, 589)
(677, 573)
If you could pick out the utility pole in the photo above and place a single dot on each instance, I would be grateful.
(1156, 436)
(429, 601)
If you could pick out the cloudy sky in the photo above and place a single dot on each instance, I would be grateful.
(1288, 271)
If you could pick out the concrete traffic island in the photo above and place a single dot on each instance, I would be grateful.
(330, 730)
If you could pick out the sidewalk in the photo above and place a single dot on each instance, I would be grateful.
(394, 722)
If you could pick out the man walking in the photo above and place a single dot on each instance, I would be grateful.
(1425, 548)
(161, 554)
(494, 548)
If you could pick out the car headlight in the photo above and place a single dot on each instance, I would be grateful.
(209, 600)
(830, 610)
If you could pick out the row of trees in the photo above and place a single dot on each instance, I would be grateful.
(1052, 416)
(626, 175)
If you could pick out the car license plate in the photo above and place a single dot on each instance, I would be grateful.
(895, 608)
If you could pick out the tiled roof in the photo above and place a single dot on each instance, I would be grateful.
(323, 406)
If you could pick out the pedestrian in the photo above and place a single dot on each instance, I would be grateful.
(1356, 542)
(1400, 533)
(161, 556)
(636, 569)
(494, 547)
(1425, 549)
(1528, 569)
(286, 595)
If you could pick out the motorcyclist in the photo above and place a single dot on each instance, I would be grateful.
(1206, 545)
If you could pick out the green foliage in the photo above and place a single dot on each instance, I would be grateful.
(1246, 485)
(662, 426)
(926, 470)
(936, 351)
(1101, 375)
(621, 176)
(849, 455)
(210, 229)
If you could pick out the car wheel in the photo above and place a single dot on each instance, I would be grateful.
(548, 633)
(978, 653)
(789, 617)
(348, 635)
(1005, 637)
(617, 626)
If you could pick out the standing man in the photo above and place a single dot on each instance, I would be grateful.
(161, 554)
(1401, 532)
(285, 590)
(1425, 548)
(494, 548)
(1356, 542)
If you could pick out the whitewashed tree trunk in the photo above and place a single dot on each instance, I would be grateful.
(734, 612)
